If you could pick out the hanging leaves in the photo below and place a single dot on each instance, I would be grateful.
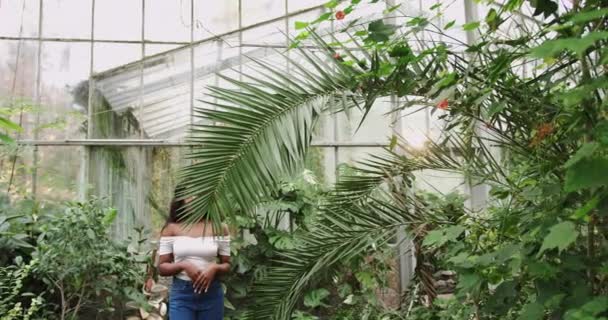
(378, 31)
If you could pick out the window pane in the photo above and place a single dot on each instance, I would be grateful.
(64, 90)
(67, 18)
(255, 11)
(118, 19)
(16, 171)
(211, 20)
(18, 83)
(295, 5)
(167, 20)
(19, 18)
(58, 173)
(117, 91)
(166, 100)
(112, 55)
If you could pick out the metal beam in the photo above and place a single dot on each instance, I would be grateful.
(48, 39)
(167, 143)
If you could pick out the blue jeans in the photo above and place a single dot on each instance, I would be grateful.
(184, 304)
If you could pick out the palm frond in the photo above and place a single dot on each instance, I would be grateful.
(357, 214)
(257, 132)
(368, 205)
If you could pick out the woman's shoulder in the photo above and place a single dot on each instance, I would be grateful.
(170, 230)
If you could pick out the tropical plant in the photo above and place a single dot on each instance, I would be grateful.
(524, 114)
(84, 267)
(272, 114)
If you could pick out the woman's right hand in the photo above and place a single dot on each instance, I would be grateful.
(190, 271)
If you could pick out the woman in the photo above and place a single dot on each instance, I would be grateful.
(190, 254)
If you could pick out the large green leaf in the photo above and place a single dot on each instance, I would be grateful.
(315, 298)
(532, 311)
(587, 173)
(560, 237)
(552, 48)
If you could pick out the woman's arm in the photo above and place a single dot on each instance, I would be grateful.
(168, 267)
(224, 265)
(203, 281)
(166, 264)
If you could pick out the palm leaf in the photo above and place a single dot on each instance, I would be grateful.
(250, 136)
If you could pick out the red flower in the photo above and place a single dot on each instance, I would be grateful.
(337, 56)
(340, 15)
(542, 132)
(443, 104)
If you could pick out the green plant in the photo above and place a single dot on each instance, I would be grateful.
(20, 223)
(291, 207)
(11, 296)
(81, 263)
(524, 114)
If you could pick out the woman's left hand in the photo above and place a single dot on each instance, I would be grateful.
(202, 283)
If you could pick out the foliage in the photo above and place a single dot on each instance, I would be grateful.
(272, 114)
(291, 207)
(11, 284)
(65, 264)
(524, 114)
(20, 223)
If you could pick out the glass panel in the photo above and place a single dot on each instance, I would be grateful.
(116, 100)
(368, 131)
(58, 173)
(212, 20)
(440, 181)
(268, 34)
(18, 83)
(255, 11)
(112, 55)
(454, 12)
(64, 90)
(167, 20)
(166, 100)
(118, 19)
(19, 18)
(67, 18)
(416, 124)
(15, 172)
(304, 17)
(295, 5)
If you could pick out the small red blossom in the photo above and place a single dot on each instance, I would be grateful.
(337, 56)
(542, 132)
(443, 104)
(340, 15)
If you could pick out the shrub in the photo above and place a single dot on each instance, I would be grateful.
(83, 266)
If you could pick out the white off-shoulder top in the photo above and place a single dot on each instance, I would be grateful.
(200, 251)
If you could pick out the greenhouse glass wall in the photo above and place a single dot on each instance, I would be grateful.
(106, 98)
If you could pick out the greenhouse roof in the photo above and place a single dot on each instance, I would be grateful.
(160, 90)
